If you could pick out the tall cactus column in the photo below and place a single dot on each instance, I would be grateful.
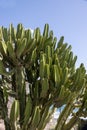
(20, 90)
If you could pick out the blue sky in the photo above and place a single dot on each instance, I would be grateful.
(65, 17)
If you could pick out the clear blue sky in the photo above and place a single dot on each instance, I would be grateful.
(65, 17)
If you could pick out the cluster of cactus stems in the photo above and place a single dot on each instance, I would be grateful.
(39, 73)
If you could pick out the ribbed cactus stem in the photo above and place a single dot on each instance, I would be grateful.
(20, 89)
(63, 116)
(44, 115)
(74, 120)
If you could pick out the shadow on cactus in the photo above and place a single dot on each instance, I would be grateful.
(38, 73)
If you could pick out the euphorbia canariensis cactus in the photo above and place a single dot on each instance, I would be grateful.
(38, 73)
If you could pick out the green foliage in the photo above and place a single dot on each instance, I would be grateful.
(39, 74)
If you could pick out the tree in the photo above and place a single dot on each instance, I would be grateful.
(39, 73)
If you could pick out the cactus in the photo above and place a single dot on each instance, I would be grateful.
(39, 74)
